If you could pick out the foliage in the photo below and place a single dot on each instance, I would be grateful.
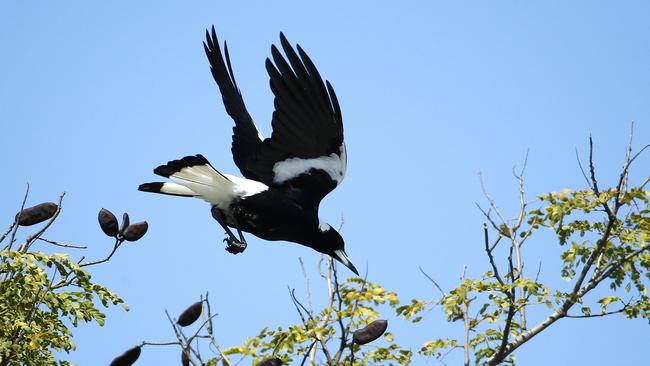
(322, 337)
(43, 295)
(604, 235)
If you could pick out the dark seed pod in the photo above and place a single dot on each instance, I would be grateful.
(371, 332)
(190, 314)
(107, 222)
(136, 231)
(39, 213)
(273, 361)
(127, 358)
(125, 223)
(185, 359)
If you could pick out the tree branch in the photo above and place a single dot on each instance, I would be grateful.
(117, 244)
(62, 244)
(578, 291)
(491, 257)
(15, 228)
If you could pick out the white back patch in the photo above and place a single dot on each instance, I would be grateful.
(334, 165)
(246, 187)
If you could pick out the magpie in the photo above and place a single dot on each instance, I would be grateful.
(286, 176)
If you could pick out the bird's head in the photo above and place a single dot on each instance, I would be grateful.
(330, 242)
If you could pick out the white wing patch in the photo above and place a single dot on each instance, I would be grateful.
(333, 164)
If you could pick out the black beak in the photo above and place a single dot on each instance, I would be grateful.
(342, 257)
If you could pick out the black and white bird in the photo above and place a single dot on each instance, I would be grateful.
(285, 176)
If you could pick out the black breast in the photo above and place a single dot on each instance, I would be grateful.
(272, 215)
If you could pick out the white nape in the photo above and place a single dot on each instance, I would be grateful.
(334, 165)
(323, 226)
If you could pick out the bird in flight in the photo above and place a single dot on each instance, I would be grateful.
(286, 176)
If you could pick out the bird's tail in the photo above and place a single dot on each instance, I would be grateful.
(172, 189)
(193, 176)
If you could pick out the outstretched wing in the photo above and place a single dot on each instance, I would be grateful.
(246, 137)
(306, 153)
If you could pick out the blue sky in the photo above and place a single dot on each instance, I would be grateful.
(94, 96)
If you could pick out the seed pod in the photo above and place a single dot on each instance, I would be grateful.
(185, 359)
(190, 314)
(107, 222)
(136, 231)
(273, 361)
(371, 332)
(36, 214)
(127, 358)
(125, 223)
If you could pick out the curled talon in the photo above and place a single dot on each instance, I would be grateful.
(236, 247)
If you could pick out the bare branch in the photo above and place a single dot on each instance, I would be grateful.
(62, 244)
(493, 204)
(432, 281)
(117, 244)
(582, 170)
(488, 217)
(339, 315)
(9, 230)
(15, 229)
(172, 343)
(299, 307)
(592, 168)
(642, 186)
(181, 338)
(308, 352)
(307, 287)
(491, 257)
(597, 315)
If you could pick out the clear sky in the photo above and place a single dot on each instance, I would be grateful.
(94, 95)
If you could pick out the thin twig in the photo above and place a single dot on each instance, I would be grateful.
(339, 317)
(22, 207)
(307, 287)
(117, 244)
(172, 343)
(307, 353)
(490, 256)
(62, 244)
(432, 281)
(299, 306)
(597, 315)
(582, 170)
(9, 230)
(180, 337)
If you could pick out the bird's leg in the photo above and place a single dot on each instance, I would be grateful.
(241, 236)
(234, 246)
(237, 246)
